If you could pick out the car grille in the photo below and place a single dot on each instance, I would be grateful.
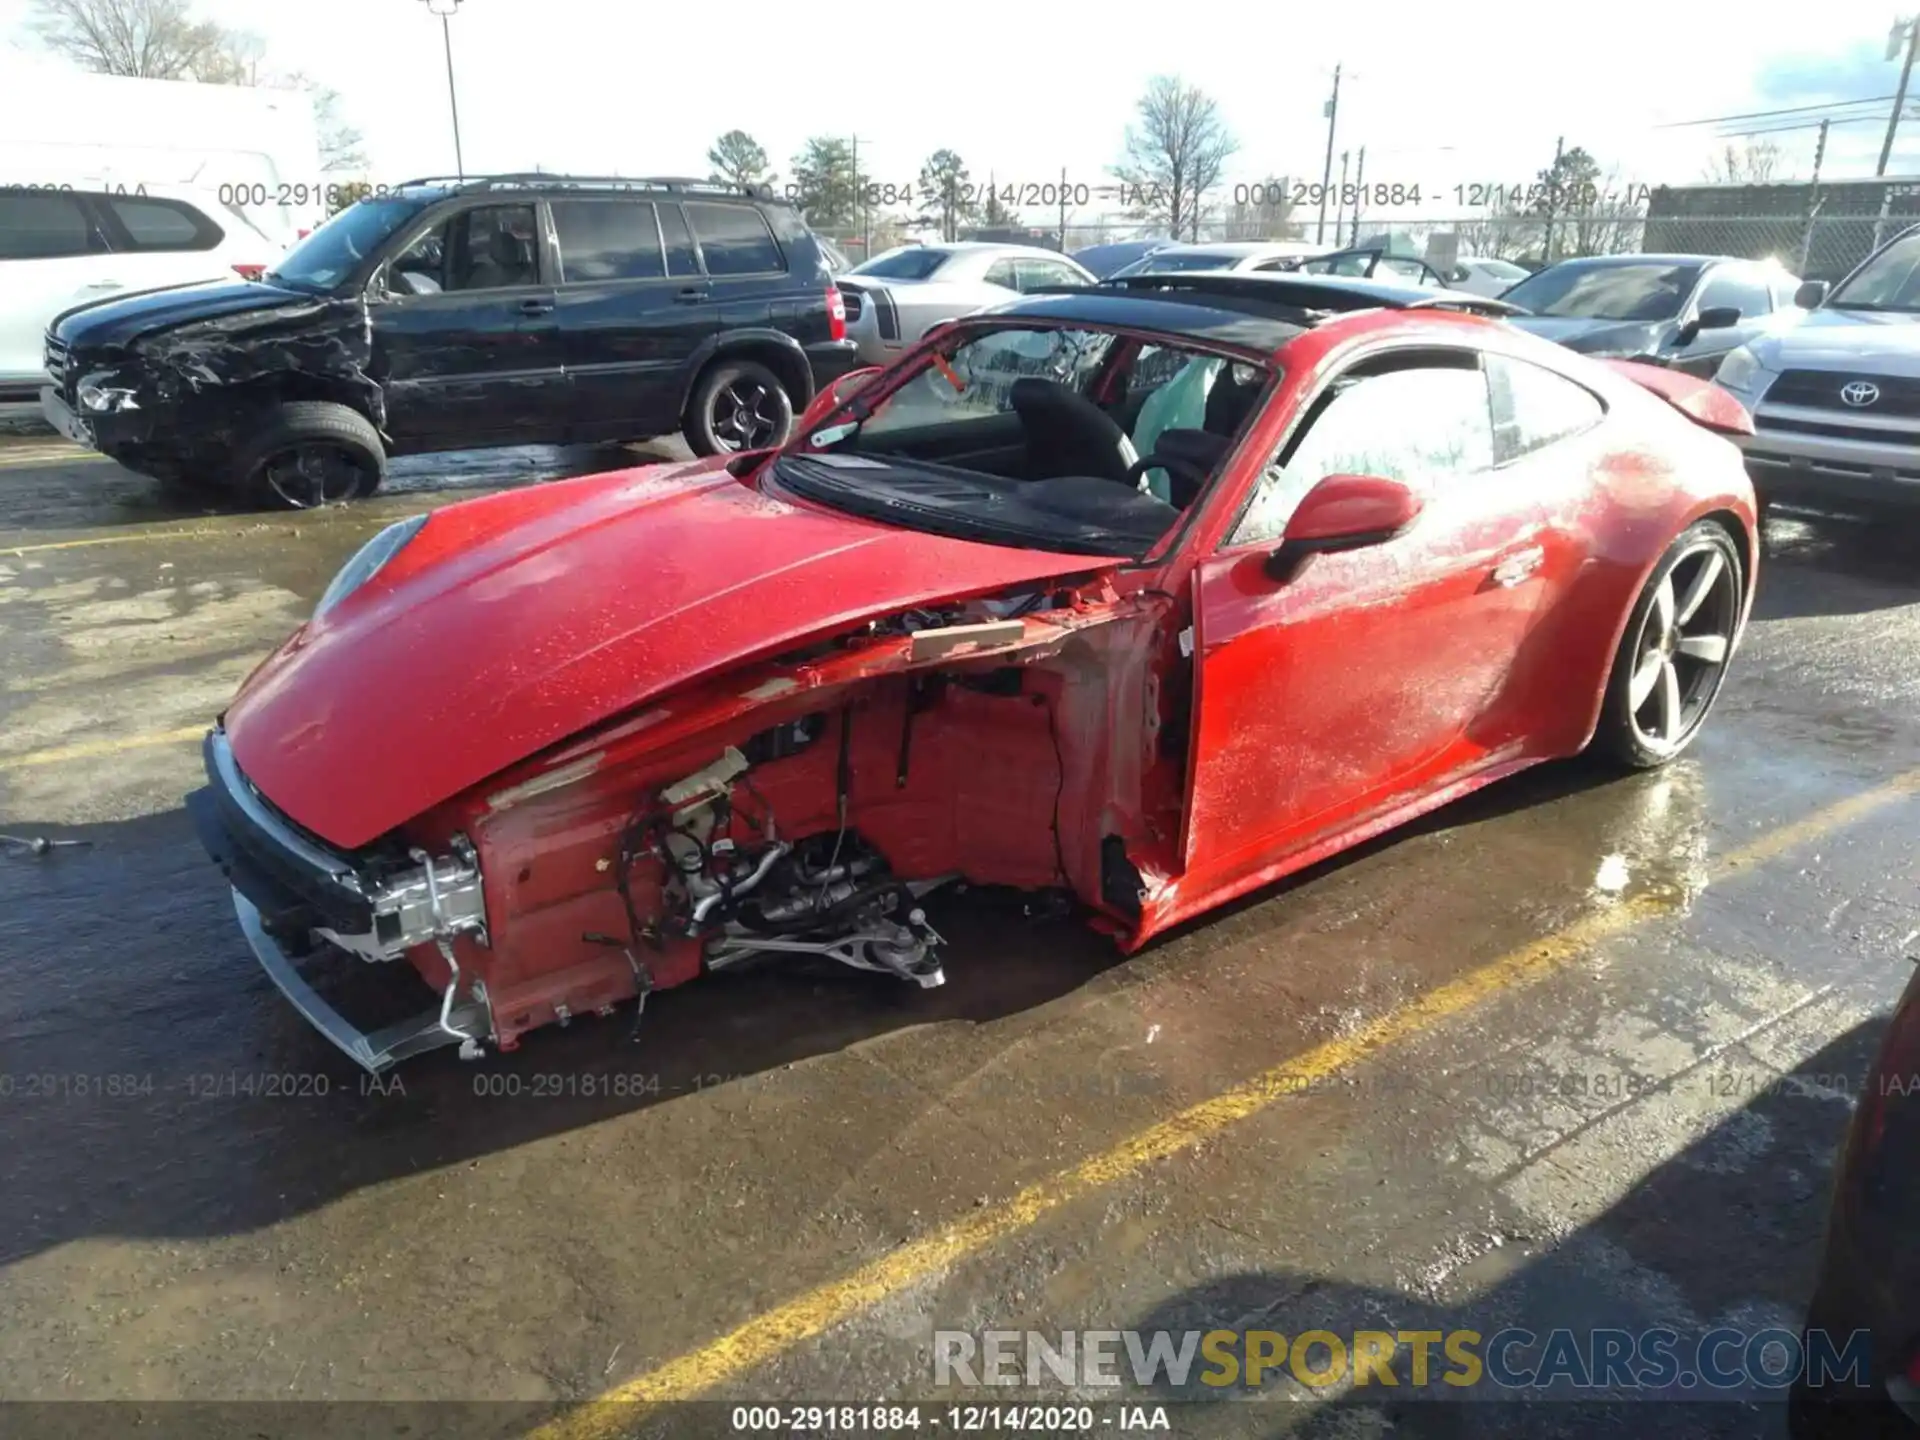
(1820, 390)
(1872, 435)
(851, 299)
(57, 362)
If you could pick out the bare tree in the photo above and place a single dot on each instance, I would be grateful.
(1175, 153)
(157, 39)
(1754, 163)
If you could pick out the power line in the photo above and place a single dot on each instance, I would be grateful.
(1801, 125)
(1828, 105)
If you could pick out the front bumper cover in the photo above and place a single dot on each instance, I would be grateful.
(291, 890)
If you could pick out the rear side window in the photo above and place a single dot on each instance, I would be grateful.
(1001, 272)
(43, 225)
(163, 224)
(1739, 287)
(735, 240)
(679, 240)
(1036, 273)
(607, 240)
(1533, 407)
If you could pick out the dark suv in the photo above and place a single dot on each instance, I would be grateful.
(512, 310)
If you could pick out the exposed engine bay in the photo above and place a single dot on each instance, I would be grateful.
(736, 885)
(803, 808)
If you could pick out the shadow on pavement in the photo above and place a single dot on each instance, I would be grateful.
(159, 1085)
(154, 1083)
(1724, 1233)
(1821, 565)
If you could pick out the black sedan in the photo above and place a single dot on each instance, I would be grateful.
(1687, 311)
(1870, 1273)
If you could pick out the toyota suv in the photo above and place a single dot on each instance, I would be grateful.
(1835, 392)
(440, 315)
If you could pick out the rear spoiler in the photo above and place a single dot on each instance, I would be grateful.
(1701, 401)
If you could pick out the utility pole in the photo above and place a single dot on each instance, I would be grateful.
(860, 199)
(1813, 197)
(1326, 173)
(1359, 184)
(1559, 144)
(1063, 209)
(1912, 28)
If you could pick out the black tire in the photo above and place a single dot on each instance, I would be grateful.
(310, 453)
(738, 405)
(1681, 695)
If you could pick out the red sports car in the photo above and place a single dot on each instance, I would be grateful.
(1150, 592)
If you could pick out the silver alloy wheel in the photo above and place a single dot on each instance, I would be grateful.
(1681, 653)
(314, 475)
(741, 418)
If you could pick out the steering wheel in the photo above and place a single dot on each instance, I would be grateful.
(1190, 470)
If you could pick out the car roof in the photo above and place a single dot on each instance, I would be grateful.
(1241, 328)
(1258, 312)
(1674, 258)
(1009, 247)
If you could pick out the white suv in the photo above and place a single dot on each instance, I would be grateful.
(65, 247)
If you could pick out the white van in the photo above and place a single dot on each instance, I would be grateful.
(110, 184)
(254, 148)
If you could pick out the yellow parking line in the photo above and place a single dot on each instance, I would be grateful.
(130, 537)
(761, 1339)
(92, 749)
(125, 538)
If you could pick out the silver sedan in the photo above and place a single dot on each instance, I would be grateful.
(894, 298)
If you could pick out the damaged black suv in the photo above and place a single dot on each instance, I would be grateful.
(512, 310)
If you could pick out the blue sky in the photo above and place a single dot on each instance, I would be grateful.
(1440, 95)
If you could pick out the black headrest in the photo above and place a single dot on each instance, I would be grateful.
(1228, 402)
(510, 250)
(1198, 447)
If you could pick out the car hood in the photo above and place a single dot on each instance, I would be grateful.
(1882, 341)
(513, 622)
(121, 321)
(1595, 337)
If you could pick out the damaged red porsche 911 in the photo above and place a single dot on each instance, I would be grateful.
(1151, 592)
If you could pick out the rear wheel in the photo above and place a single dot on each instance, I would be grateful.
(738, 405)
(1673, 656)
(311, 453)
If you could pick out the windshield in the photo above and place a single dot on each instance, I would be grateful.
(1037, 437)
(1650, 290)
(1889, 281)
(915, 262)
(328, 256)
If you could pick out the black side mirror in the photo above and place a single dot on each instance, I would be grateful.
(1714, 317)
(1810, 294)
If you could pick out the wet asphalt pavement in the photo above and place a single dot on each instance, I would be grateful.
(784, 1183)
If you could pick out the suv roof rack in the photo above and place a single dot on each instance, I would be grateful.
(1326, 294)
(677, 184)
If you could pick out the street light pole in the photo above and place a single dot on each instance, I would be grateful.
(1899, 95)
(445, 9)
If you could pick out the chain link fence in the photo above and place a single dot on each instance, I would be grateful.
(1814, 234)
